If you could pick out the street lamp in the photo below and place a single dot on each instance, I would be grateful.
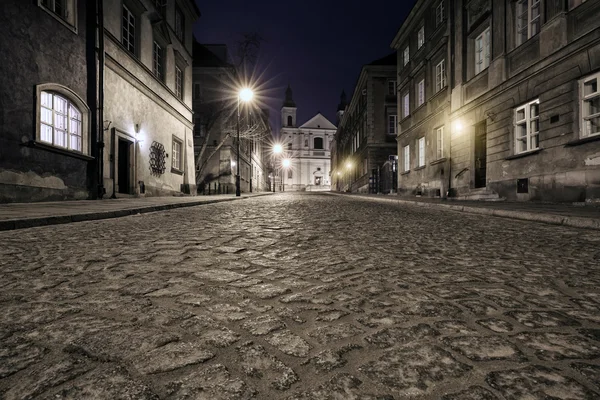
(244, 95)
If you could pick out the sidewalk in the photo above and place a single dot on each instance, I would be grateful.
(28, 215)
(574, 215)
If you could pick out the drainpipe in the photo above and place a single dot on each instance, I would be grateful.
(100, 33)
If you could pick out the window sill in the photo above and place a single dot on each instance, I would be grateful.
(405, 172)
(54, 149)
(420, 168)
(524, 154)
(176, 171)
(69, 25)
(441, 160)
(584, 140)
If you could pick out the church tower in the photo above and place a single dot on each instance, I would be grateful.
(288, 111)
(341, 107)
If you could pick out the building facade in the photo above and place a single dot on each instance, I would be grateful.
(100, 104)
(365, 141)
(215, 130)
(307, 147)
(524, 118)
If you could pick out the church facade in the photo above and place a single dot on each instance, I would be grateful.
(308, 149)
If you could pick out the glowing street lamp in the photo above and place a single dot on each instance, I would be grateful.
(286, 163)
(277, 148)
(245, 95)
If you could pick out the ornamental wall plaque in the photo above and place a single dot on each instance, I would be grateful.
(157, 158)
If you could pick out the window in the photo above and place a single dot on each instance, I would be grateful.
(176, 156)
(64, 10)
(439, 14)
(590, 105)
(575, 3)
(421, 37)
(305, 142)
(179, 24)
(158, 61)
(128, 32)
(405, 105)
(406, 55)
(318, 143)
(440, 76)
(406, 151)
(289, 120)
(421, 150)
(392, 123)
(161, 7)
(289, 173)
(527, 127)
(482, 51)
(392, 88)
(421, 92)
(528, 19)
(179, 83)
(61, 122)
(439, 139)
(289, 146)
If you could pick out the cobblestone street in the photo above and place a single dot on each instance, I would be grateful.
(300, 296)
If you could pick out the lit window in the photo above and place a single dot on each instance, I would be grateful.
(439, 14)
(158, 61)
(176, 156)
(590, 105)
(406, 151)
(527, 127)
(482, 51)
(421, 37)
(392, 123)
(128, 32)
(406, 55)
(61, 122)
(421, 92)
(406, 105)
(440, 76)
(421, 150)
(179, 83)
(179, 24)
(392, 88)
(528, 19)
(439, 136)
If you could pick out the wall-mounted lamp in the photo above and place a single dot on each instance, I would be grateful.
(106, 125)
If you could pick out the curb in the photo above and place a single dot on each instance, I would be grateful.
(12, 224)
(563, 220)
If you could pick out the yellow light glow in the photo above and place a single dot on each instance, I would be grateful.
(457, 126)
(349, 165)
(277, 148)
(339, 173)
(233, 163)
(246, 95)
(286, 163)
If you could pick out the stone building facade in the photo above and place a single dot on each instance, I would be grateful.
(87, 115)
(307, 147)
(365, 140)
(215, 82)
(524, 114)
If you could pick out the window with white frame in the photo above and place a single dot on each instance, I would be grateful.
(406, 55)
(128, 30)
(179, 83)
(65, 10)
(406, 105)
(392, 124)
(527, 13)
(482, 51)
(421, 151)
(421, 37)
(420, 92)
(61, 122)
(392, 88)
(179, 24)
(176, 155)
(439, 140)
(590, 105)
(158, 61)
(406, 153)
(439, 13)
(575, 3)
(527, 127)
(440, 76)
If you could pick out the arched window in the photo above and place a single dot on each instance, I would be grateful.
(63, 118)
(289, 122)
(318, 143)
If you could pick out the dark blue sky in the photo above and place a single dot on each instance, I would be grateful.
(319, 47)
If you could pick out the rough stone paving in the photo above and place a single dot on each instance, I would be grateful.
(300, 296)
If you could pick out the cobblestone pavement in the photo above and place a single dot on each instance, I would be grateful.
(300, 296)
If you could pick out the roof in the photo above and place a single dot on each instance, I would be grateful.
(390, 59)
(318, 122)
(204, 57)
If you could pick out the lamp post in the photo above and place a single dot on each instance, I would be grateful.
(244, 95)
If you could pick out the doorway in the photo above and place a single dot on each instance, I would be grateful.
(318, 180)
(480, 154)
(124, 166)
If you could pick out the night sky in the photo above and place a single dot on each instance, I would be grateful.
(318, 47)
